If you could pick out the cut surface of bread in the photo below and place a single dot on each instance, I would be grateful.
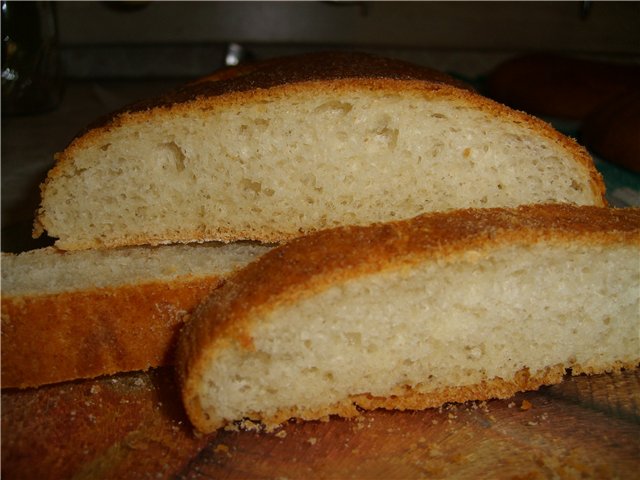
(447, 307)
(69, 315)
(301, 144)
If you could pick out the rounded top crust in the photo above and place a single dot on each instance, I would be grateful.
(295, 69)
(324, 66)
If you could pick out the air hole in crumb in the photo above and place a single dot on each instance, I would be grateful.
(174, 156)
(261, 124)
(388, 136)
(335, 107)
(248, 184)
(436, 149)
(354, 338)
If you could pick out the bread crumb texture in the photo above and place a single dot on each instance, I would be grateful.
(468, 306)
(223, 161)
(50, 271)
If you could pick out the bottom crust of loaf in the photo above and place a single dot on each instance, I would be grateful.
(410, 398)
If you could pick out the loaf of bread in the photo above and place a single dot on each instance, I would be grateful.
(560, 86)
(447, 307)
(613, 131)
(300, 144)
(69, 315)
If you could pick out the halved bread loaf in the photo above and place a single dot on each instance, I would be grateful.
(300, 144)
(69, 315)
(446, 307)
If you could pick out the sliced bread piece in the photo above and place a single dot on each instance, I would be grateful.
(447, 307)
(69, 315)
(300, 144)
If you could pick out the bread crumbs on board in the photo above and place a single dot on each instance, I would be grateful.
(222, 449)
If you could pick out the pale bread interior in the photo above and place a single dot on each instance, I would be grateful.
(447, 323)
(300, 161)
(48, 271)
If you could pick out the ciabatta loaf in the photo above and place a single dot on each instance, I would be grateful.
(457, 306)
(301, 144)
(83, 314)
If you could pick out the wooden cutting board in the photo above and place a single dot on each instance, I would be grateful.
(133, 426)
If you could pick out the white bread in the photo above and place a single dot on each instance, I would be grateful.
(290, 146)
(446, 307)
(69, 315)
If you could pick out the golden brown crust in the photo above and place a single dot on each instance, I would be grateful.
(256, 78)
(283, 77)
(84, 334)
(312, 67)
(307, 265)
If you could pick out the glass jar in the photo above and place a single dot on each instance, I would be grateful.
(31, 73)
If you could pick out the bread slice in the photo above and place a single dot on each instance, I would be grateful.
(84, 314)
(300, 144)
(447, 307)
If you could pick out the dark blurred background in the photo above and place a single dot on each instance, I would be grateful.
(185, 39)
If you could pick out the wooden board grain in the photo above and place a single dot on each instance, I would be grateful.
(126, 426)
(133, 426)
